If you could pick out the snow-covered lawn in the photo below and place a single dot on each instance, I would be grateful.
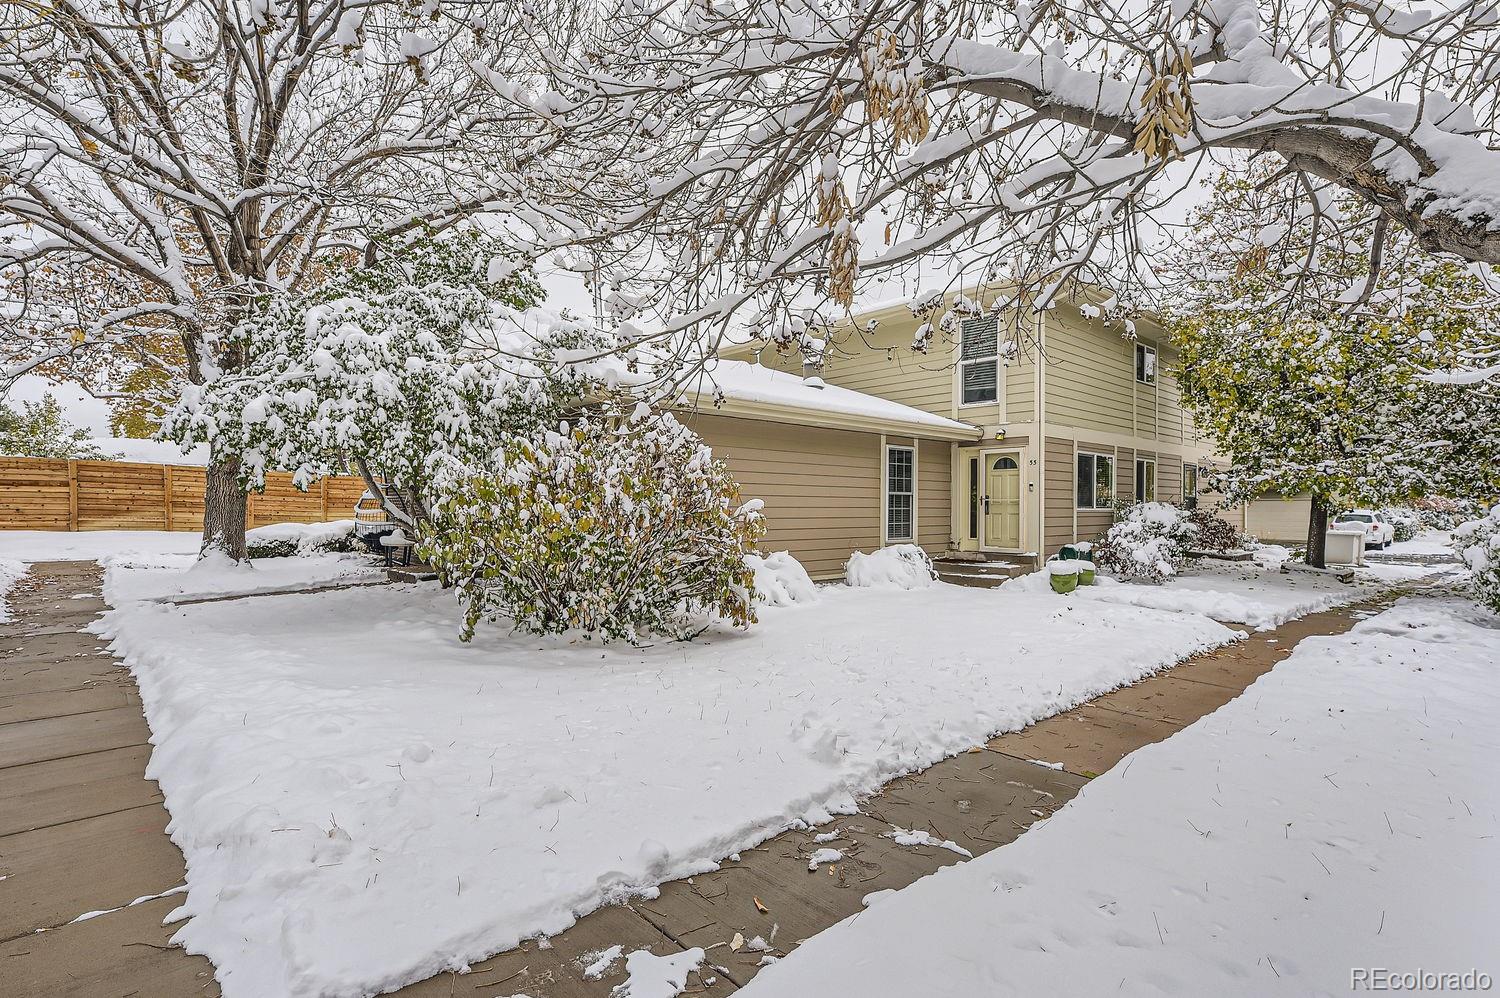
(11, 571)
(1341, 814)
(91, 545)
(1240, 592)
(363, 800)
(162, 564)
(1428, 543)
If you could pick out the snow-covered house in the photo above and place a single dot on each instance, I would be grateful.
(959, 448)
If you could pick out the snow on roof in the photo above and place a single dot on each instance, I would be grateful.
(738, 381)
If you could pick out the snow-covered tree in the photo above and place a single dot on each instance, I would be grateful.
(398, 368)
(39, 429)
(1309, 362)
(747, 159)
(165, 165)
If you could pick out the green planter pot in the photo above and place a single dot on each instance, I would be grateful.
(1085, 573)
(1064, 582)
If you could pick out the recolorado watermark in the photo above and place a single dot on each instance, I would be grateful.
(1418, 981)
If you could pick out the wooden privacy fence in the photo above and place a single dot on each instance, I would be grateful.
(45, 494)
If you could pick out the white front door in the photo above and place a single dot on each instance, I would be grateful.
(1001, 498)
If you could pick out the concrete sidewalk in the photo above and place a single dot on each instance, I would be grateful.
(82, 830)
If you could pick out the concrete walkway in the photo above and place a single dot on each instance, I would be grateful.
(82, 830)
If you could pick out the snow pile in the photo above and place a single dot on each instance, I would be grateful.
(652, 976)
(1339, 815)
(922, 837)
(822, 856)
(91, 545)
(1032, 582)
(1427, 543)
(10, 573)
(1242, 593)
(336, 763)
(780, 579)
(133, 577)
(1235, 592)
(301, 538)
(899, 566)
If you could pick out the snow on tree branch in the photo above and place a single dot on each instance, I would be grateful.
(1029, 144)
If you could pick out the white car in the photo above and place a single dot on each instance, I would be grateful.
(1378, 532)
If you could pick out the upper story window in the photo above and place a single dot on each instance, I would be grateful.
(900, 493)
(1096, 480)
(979, 361)
(1145, 363)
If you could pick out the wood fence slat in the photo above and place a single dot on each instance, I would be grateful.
(72, 495)
(46, 494)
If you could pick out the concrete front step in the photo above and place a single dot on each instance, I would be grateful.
(981, 574)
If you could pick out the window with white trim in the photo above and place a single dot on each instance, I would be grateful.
(979, 361)
(1145, 363)
(1189, 481)
(1145, 480)
(1096, 480)
(900, 493)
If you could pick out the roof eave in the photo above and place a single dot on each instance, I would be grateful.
(782, 412)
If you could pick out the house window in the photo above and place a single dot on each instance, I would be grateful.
(1096, 480)
(1145, 481)
(1189, 481)
(1145, 364)
(979, 361)
(973, 498)
(900, 493)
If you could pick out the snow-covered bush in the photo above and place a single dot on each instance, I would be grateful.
(780, 579)
(900, 566)
(1437, 513)
(1405, 522)
(286, 540)
(1214, 532)
(1478, 544)
(612, 528)
(1148, 544)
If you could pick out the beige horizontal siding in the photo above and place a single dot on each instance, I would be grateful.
(934, 496)
(821, 487)
(1169, 478)
(1020, 389)
(1090, 373)
(1058, 495)
(883, 363)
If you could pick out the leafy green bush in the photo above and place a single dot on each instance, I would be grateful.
(613, 528)
(1214, 532)
(1405, 522)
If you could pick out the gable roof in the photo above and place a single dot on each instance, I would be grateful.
(753, 391)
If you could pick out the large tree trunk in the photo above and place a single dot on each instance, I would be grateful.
(224, 510)
(1317, 533)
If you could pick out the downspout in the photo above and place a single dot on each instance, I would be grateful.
(1041, 429)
